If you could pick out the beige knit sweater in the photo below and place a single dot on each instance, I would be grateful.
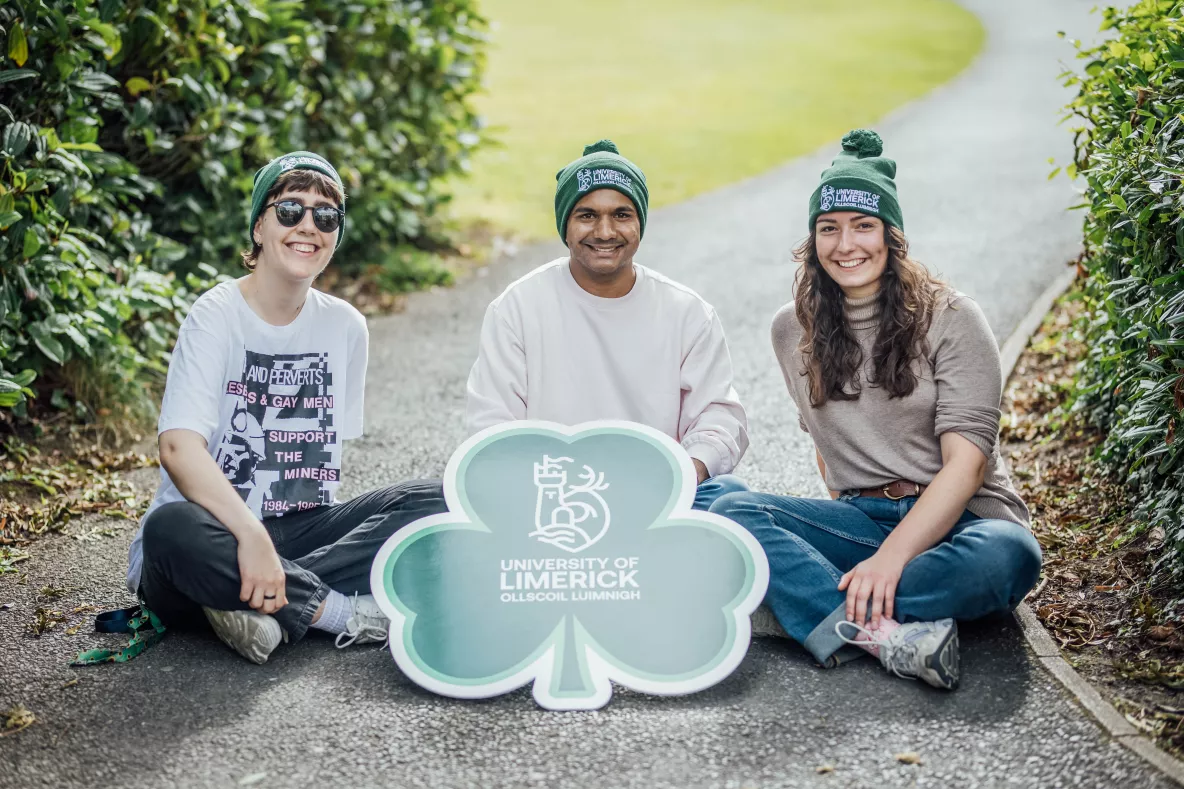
(874, 440)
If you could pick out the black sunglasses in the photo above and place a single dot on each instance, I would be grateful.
(289, 213)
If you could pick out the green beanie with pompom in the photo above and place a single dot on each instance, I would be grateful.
(601, 167)
(859, 179)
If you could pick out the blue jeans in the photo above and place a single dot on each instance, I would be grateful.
(712, 488)
(981, 567)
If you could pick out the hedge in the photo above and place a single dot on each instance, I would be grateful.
(1130, 153)
(129, 135)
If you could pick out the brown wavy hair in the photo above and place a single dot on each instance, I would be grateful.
(907, 298)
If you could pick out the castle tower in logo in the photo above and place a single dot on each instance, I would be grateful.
(570, 517)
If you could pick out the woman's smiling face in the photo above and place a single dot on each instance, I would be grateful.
(297, 253)
(852, 251)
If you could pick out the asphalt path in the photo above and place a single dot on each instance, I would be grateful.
(973, 160)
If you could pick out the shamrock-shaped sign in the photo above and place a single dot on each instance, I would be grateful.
(569, 557)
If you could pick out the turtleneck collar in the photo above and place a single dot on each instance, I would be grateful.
(863, 313)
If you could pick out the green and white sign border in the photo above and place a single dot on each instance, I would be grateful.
(542, 666)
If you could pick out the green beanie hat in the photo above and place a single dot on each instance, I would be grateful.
(267, 175)
(859, 179)
(601, 167)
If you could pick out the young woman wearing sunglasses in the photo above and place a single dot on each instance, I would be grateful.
(896, 377)
(265, 384)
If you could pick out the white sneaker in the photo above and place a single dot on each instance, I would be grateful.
(249, 633)
(366, 625)
(915, 650)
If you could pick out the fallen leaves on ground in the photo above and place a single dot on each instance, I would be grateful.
(41, 493)
(16, 719)
(96, 533)
(51, 592)
(1161, 632)
(1094, 595)
(908, 757)
(1153, 672)
(825, 768)
(45, 619)
(10, 557)
(1160, 721)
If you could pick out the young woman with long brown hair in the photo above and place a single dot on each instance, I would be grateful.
(896, 377)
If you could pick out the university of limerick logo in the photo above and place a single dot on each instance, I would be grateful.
(586, 179)
(481, 602)
(570, 517)
(289, 162)
(828, 198)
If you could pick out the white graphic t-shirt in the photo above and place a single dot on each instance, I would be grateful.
(274, 403)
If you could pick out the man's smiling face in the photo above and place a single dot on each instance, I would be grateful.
(603, 233)
(297, 253)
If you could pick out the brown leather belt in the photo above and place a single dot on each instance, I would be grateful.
(895, 490)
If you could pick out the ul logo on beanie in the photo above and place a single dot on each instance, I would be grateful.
(585, 179)
(827, 198)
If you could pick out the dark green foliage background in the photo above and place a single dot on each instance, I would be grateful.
(1131, 154)
(129, 135)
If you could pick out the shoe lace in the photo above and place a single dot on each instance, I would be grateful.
(361, 626)
(898, 657)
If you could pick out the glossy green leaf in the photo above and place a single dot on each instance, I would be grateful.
(32, 244)
(137, 85)
(47, 343)
(16, 74)
(18, 45)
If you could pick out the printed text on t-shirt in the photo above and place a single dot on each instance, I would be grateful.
(278, 450)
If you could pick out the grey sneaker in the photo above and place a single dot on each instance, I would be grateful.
(916, 650)
(366, 625)
(765, 624)
(249, 633)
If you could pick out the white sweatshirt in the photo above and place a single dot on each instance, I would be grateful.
(550, 350)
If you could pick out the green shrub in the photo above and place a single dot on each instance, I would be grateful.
(80, 266)
(378, 87)
(1130, 152)
(130, 133)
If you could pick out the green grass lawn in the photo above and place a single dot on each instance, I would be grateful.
(699, 93)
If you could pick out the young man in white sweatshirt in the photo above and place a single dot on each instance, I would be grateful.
(596, 336)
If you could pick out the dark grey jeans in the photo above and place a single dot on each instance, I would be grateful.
(191, 560)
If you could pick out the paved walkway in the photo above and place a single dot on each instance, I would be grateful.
(973, 158)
